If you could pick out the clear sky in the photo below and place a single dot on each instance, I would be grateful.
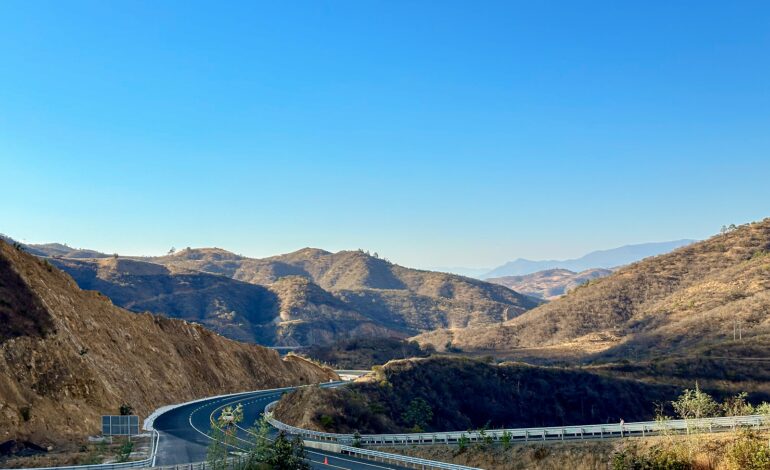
(438, 133)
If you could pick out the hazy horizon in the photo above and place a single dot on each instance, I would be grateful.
(458, 269)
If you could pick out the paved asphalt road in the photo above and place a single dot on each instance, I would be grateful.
(184, 433)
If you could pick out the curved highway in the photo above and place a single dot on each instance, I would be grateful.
(184, 432)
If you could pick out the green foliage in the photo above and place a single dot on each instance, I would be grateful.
(418, 414)
(326, 421)
(356, 439)
(125, 409)
(763, 409)
(124, 451)
(217, 452)
(287, 454)
(656, 458)
(262, 449)
(695, 404)
(223, 436)
(737, 405)
(748, 452)
(506, 439)
(486, 439)
(462, 443)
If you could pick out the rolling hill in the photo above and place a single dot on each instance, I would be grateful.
(307, 297)
(68, 356)
(683, 304)
(549, 284)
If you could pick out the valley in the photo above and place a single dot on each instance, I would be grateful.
(302, 298)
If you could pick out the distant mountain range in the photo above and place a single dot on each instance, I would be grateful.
(307, 297)
(606, 259)
(709, 300)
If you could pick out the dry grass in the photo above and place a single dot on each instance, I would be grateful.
(702, 451)
(672, 303)
(97, 356)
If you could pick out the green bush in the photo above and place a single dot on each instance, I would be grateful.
(326, 421)
(748, 452)
(124, 452)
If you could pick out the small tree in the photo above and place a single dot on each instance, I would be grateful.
(737, 405)
(288, 455)
(124, 452)
(356, 439)
(694, 405)
(223, 436)
(462, 443)
(506, 439)
(262, 450)
(125, 409)
(172, 251)
(217, 453)
(418, 414)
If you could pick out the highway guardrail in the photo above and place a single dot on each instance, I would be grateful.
(402, 460)
(592, 431)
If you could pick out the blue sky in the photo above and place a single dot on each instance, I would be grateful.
(436, 133)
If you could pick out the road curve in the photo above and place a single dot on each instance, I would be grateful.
(184, 432)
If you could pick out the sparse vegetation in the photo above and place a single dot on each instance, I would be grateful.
(364, 353)
(442, 393)
(124, 451)
(26, 413)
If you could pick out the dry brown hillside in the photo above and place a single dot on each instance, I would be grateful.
(551, 283)
(306, 297)
(683, 302)
(67, 356)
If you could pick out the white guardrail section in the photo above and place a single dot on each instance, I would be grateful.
(402, 460)
(592, 431)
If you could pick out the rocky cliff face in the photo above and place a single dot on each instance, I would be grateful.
(67, 356)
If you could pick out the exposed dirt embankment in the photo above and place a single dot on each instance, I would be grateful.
(67, 356)
(447, 394)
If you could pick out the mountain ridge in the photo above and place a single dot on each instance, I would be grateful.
(299, 294)
(675, 303)
(606, 259)
(68, 356)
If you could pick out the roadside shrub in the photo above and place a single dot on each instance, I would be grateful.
(462, 443)
(326, 421)
(748, 452)
(26, 413)
(124, 452)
